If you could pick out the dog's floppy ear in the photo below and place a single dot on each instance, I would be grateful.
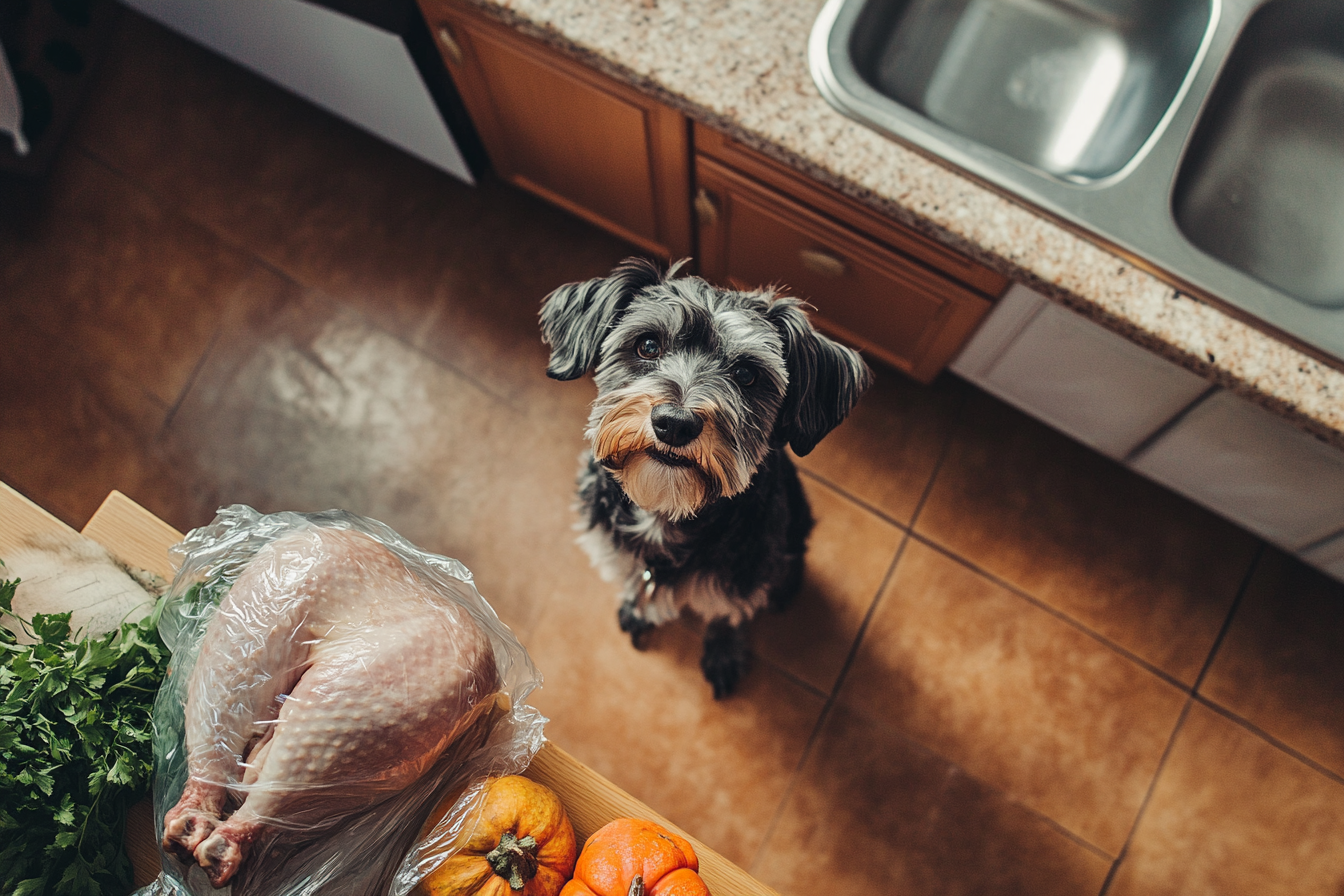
(577, 316)
(825, 379)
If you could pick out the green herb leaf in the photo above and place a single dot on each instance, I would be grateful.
(7, 589)
(75, 751)
(52, 628)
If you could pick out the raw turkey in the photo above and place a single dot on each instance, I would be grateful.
(329, 679)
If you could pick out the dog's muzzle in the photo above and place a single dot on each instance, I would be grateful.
(674, 425)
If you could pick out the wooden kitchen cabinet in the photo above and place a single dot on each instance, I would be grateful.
(622, 160)
(573, 136)
(901, 297)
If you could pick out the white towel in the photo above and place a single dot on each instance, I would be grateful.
(11, 108)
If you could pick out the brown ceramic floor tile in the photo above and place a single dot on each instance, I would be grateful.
(1134, 562)
(646, 720)
(872, 812)
(1281, 666)
(849, 554)
(884, 454)
(1234, 816)
(318, 410)
(148, 290)
(1018, 697)
(457, 271)
(72, 430)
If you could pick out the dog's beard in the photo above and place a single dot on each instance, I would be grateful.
(677, 493)
(674, 482)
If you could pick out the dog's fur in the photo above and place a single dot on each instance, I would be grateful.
(688, 495)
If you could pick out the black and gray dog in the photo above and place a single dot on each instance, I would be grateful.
(689, 496)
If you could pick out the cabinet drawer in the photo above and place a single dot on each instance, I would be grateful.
(849, 212)
(865, 293)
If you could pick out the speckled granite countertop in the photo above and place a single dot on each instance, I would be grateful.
(741, 66)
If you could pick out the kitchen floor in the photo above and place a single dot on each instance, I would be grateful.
(1015, 666)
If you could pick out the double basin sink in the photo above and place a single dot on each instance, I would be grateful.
(1205, 137)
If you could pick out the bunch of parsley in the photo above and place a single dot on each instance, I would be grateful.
(75, 751)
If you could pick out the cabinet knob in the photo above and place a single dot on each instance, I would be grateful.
(824, 263)
(706, 211)
(450, 44)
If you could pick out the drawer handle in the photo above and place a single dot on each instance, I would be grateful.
(450, 44)
(706, 211)
(823, 263)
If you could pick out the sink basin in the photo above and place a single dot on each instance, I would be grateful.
(1202, 138)
(1262, 187)
(1069, 87)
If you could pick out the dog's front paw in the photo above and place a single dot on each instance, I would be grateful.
(727, 657)
(634, 625)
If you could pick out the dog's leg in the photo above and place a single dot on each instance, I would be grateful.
(784, 591)
(799, 527)
(642, 607)
(633, 623)
(727, 656)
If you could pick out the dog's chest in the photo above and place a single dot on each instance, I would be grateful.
(650, 537)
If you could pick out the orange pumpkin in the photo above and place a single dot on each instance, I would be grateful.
(516, 841)
(632, 857)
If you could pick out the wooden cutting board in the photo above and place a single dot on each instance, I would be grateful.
(138, 538)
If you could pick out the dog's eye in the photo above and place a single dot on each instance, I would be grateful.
(743, 374)
(648, 348)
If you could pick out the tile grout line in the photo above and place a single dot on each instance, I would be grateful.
(1269, 739)
(828, 707)
(226, 240)
(176, 209)
(196, 369)
(1054, 611)
(181, 211)
(1190, 701)
(840, 490)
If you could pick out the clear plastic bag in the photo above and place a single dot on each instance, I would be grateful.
(329, 683)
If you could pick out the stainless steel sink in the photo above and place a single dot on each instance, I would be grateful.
(1205, 137)
(1073, 89)
(1262, 186)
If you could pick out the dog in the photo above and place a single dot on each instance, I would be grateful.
(689, 499)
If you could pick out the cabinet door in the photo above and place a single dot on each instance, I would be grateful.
(1253, 467)
(865, 293)
(597, 148)
(1079, 377)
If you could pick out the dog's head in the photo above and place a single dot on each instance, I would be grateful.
(695, 384)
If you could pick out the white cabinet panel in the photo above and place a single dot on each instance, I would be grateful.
(1075, 375)
(361, 73)
(1254, 467)
(1013, 311)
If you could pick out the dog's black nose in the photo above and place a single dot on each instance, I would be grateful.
(675, 425)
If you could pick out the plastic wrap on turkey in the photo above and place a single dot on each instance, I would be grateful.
(329, 683)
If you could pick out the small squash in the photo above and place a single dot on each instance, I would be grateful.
(516, 841)
(632, 857)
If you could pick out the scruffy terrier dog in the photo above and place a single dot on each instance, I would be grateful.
(689, 496)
